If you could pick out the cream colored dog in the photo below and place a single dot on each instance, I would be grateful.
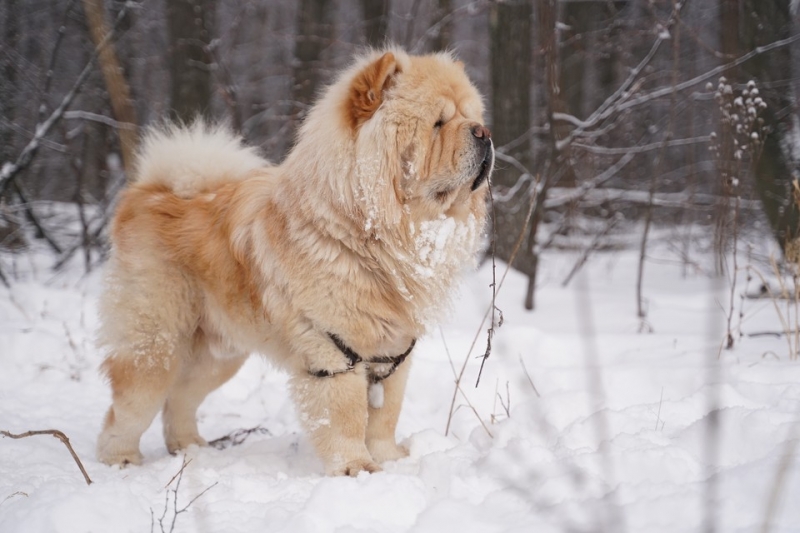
(331, 264)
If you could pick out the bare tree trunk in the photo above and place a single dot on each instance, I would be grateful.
(314, 28)
(376, 22)
(661, 163)
(190, 25)
(9, 227)
(558, 166)
(767, 21)
(444, 33)
(729, 28)
(8, 80)
(510, 34)
(587, 69)
(117, 85)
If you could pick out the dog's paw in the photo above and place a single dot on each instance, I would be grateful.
(110, 456)
(353, 468)
(116, 450)
(176, 443)
(386, 450)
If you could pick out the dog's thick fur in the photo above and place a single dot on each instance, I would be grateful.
(359, 233)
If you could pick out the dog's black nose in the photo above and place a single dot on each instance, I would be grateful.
(481, 132)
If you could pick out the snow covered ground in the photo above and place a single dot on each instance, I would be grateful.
(580, 423)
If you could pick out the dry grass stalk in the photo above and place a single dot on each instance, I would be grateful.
(495, 290)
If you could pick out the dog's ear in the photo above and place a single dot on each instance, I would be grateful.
(369, 87)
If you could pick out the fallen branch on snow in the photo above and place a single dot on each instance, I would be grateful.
(60, 436)
(237, 437)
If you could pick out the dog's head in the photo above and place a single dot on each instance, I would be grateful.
(419, 135)
(412, 131)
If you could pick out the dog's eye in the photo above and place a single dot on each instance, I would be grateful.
(439, 124)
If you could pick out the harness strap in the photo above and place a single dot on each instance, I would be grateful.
(353, 358)
(348, 352)
(396, 361)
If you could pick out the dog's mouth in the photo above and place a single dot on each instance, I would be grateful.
(485, 168)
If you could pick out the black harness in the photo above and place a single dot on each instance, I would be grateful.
(353, 359)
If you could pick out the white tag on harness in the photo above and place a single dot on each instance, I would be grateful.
(375, 395)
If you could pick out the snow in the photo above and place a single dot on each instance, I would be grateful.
(614, 437)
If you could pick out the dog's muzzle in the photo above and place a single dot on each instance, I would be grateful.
(483, 137)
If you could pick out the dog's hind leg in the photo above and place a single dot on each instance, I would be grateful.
(140, 382)
(202, 373)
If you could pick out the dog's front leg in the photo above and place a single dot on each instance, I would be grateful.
(333, 410)
(383, 420)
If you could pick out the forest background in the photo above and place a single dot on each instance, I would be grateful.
(608, 116)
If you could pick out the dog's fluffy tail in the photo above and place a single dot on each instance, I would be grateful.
(192, 159)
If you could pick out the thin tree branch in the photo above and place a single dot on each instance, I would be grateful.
(710, 74)
(583, 188)
(26, 205)
(60, 436)
(617, 96)
(594, 245)
(604, 150)
(95, 117)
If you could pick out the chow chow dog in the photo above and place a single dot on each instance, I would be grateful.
(330, 264)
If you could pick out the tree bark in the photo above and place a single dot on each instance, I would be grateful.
(10, 237)
(444, 33)
(314, 28)
(376, 22)
(766, 21)
(559, 168)
(511, 56)
(116, 84)
(190, 26)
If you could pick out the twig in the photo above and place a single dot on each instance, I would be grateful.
(527, 375)
(26, 205)
(490, 331)
(18, 493)
(237, 437)
(496, 287)
(660, 401)
(179, 473)
(607, 150)
(486, 315)
(66, 256)
(51, 67)
(771, 333)
(507, 404)
(60, 436)
(709, 74)
(578, 192)
(683, 200)
(102, 119)
(4, 279)
(595, 244)
(175, 510)
(458, 387)
(778, 311)
(612, 102)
